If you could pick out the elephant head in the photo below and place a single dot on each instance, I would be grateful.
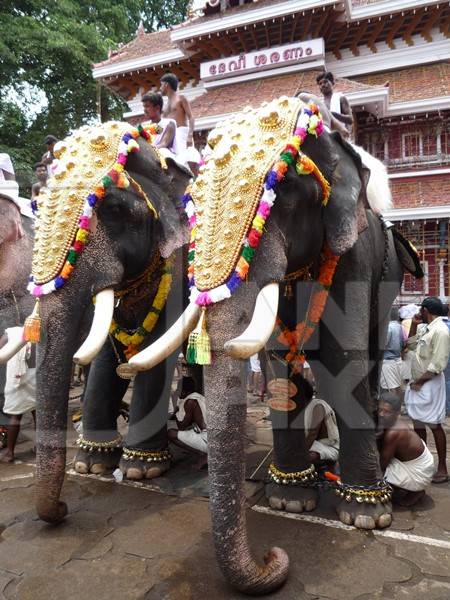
(292, 237)
(110, 208)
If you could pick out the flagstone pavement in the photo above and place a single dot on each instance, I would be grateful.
(151, 541)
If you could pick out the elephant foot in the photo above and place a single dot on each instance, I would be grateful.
(365, 516)
(52, 514)
(97, 457)
(369, 508)
(144, 464)
(291, 498)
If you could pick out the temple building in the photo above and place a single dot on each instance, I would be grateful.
(390, 59)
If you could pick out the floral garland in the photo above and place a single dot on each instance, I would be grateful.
(116, 176)
(309, 121)
(296, 338)
(133, 340)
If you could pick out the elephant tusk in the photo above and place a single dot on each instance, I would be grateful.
(104, 308)
(261, 326)
(168, 343)
(11, 348)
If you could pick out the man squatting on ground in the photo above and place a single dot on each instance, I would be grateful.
(429, 338)
(321, 431)
(407, 463)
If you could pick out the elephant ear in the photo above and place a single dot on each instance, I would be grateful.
(344, 215)
(174, 224)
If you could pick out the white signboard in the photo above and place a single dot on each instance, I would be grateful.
(262, 60)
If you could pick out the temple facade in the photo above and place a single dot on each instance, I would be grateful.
(390, 59)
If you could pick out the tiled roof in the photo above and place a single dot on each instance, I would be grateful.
(234, 97)
(143, 44)
(432, 190)
(212, 16)
(413, 83)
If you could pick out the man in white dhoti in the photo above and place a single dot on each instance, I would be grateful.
(20, 389)
(179, 109)
(429, 338)
(391, 370)
(321, 432)
(188, 429)
(336, 103)
(407, 463)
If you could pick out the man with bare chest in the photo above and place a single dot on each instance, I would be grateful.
(407, 463)
(179, 109)
(337, 104)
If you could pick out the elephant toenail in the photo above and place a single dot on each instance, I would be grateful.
(346, 518)
(81, 467)
(294, 506)
(310, 504)
(98, 469)
(364, 522)
(384, 521)
(275, 503)
(133, 473)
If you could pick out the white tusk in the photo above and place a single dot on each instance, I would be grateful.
(11, 348)
(261, 326)
(168, 343)
(104, 308)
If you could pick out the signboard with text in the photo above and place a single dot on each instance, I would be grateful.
(262, 60)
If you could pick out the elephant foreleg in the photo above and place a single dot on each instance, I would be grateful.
(145, 452)
(100, 446)
(289, 446)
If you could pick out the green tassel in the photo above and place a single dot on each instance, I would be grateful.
(199, 346)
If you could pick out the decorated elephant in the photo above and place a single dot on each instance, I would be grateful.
(110, 229)
(279, 160)
(16, 247)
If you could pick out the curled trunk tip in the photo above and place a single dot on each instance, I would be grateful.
(256, 580)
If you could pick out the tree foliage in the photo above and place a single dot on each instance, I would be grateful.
(47, 48)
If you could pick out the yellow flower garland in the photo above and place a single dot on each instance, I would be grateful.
(133, 340)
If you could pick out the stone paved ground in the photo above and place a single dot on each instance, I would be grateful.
(152, 541)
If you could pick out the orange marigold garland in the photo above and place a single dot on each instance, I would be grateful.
(295, 339)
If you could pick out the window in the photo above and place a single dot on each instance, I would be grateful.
(411, 144)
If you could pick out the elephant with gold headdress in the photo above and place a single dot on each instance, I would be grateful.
(280, 197)
(109, 229)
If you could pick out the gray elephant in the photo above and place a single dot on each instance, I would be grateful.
(108, 223)
(318, 191)
(16, 248)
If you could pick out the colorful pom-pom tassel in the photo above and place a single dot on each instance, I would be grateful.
(32, 326)
(199, 345)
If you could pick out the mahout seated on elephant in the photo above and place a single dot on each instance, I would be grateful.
(109, 228)
(313, 186)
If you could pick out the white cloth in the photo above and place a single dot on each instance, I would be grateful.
(428, 404)
(255, 365)
(5, 165)
(408, 311)
(186, 153)
(164, 123)
(327, 448)
(406, 365)
(413, 475)
(335, 102)
(20, 388)
(391, 374)
(194, 437)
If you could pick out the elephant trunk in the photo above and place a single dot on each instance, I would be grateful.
(61, 323)
(225, 391)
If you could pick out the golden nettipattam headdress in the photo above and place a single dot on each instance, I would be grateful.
(87, 163)
(231, 199)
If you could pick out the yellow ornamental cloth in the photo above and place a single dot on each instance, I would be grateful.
(228, 189)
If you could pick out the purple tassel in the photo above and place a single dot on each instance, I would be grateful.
(92, 200)
(59, 282)
(234, 282)
(271, 180)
